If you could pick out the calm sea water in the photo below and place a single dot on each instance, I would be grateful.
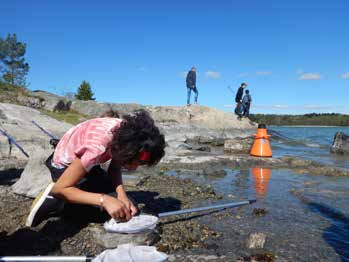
(308, 142)
(307, 216)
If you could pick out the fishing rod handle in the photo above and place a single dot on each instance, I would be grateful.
(46, 258)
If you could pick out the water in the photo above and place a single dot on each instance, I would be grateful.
(309, 143)
(307, 216)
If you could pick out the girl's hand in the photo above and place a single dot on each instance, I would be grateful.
(129, 204)
(116, 208)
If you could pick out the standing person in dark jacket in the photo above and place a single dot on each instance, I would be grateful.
(191, 85)
(246, 102)
(239, 93)
(238, 100)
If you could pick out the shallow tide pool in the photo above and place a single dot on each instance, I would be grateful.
(307, 216)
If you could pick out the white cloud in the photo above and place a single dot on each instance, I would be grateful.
(309, 76)
(264, 73)
(213, 74)
(345, 75)
(280, 106)
(243, 75)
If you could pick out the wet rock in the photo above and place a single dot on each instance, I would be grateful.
(256, 240)
(213, 172)
(202, 148)
(259, 211)
(340, 144)
(131, 180)
(238, 145)
(112, 240)
(197, 258)
(262, 257)
(35, 177)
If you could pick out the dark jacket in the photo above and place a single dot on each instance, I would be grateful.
(239, 94)
(191, 79)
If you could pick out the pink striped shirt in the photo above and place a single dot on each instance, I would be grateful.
(88, 141)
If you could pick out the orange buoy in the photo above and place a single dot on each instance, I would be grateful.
(261, 178)
(261, 146)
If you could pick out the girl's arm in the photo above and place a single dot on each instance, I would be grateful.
(66, 189)
(114, 171)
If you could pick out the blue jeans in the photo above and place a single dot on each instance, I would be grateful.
(194, 89)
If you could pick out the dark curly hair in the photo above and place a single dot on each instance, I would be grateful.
(137, 132)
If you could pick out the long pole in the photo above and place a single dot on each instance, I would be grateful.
(14, 142)
(43, 130)
(46, 258)
(197, 209)
(229, 87)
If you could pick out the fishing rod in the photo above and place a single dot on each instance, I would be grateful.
(13, 142)
(89, 259)
(43, 130)
(46, 258)
(54, 140)
(229, 87)
(198, 209)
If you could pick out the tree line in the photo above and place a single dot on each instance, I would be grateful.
(14, 68)
(316, 119)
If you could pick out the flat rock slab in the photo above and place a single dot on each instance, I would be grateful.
(8, 163)
(35, 177)
(112, 240)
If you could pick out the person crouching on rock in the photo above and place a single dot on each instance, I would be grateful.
(75, 164)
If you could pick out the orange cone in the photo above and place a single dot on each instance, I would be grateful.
(261, 178)
(261, 146)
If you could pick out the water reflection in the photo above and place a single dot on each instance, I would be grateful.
(261, 178)
(241, 183)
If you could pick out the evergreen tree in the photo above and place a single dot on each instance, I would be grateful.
(84, 92)
(12, 63)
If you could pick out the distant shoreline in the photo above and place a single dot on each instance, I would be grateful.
(306, 126)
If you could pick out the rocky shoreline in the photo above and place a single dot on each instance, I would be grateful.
(193, 150)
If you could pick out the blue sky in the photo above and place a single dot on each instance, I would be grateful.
(294, 55)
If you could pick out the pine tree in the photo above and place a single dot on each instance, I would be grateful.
(84, 92)
(12, 63)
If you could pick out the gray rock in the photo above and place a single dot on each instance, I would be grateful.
(340, 144)
(35, 177)
(33, 102)
(202, 148)
(196, 115)
(51, 101)
(112, 240)
(256, 240)
(238, 145)
(9, 163)
(213, 172)
(131, 180)
(16, 122)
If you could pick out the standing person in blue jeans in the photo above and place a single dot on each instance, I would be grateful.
(191, 85)
(246, 102)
